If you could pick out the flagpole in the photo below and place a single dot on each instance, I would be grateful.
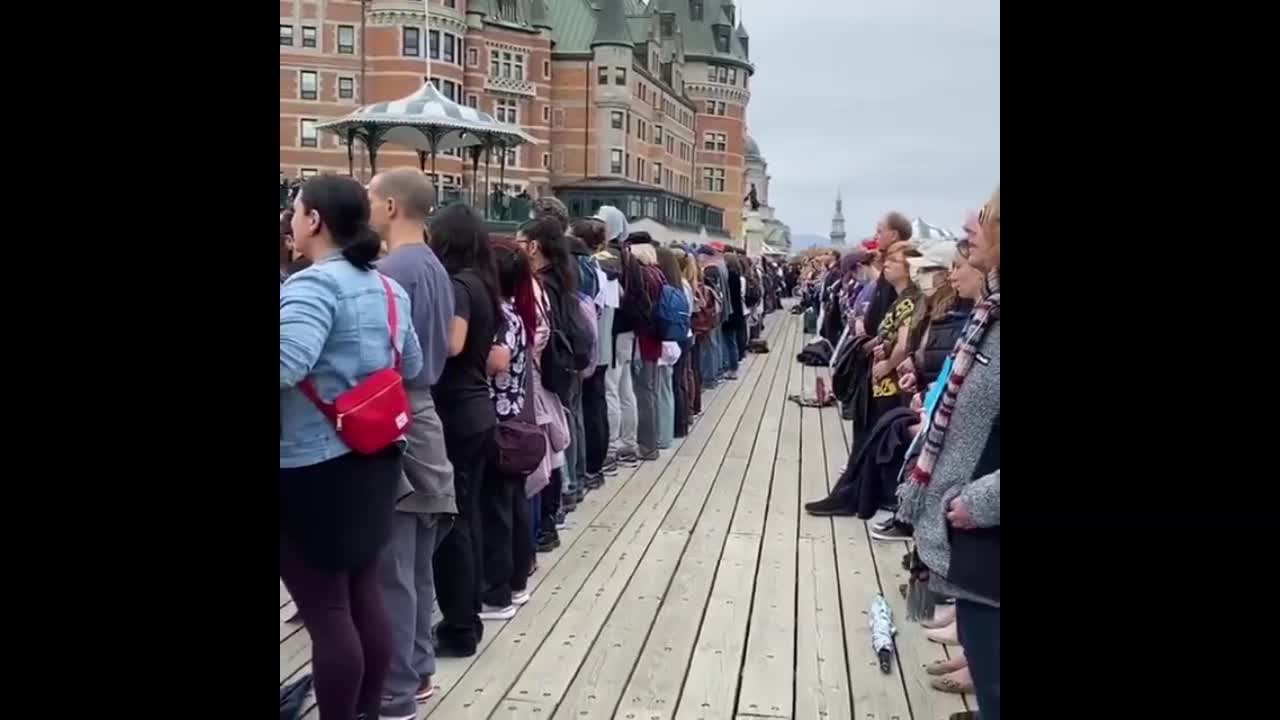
(426, 35)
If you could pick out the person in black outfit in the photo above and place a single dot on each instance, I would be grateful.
(595, 414)
(458, 237)
(737, 322)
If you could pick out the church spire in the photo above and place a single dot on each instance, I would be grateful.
(837, 222)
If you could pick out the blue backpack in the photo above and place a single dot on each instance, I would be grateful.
(671, 315)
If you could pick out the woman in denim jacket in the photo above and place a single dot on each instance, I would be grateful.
(336, 505)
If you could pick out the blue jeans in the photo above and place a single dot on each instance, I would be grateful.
(729, 348)
(709, 346)
(979, 628)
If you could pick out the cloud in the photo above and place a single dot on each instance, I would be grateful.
(896, 102)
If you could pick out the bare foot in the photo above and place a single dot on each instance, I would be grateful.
(944, 636)
(943, 667)
(958, 682)
(942, 617)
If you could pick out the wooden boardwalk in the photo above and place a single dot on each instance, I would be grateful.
(696, 588)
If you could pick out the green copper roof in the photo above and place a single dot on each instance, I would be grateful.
(611, 25)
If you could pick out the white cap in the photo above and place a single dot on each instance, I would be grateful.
(938, 256)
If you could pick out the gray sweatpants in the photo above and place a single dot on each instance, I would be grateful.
(408, 592)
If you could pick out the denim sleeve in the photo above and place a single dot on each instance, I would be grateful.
(307, 307)
(411, 355)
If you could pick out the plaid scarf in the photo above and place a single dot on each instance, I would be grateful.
(911, 493)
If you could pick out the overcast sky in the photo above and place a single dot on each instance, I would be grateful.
(896, 102)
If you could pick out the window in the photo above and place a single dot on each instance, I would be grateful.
(667, 180)
(308, 173)
(506, 111)
(546, 69)
(615, 161)
(642, 129)
(346, 88)
(307, 85)
(721, 142)
(657, 173)
(506, 65)
(640, 90)
(667, 24)
(695, 9)
(411, 42)
(546, 113)
(733, 76)
(286, 35)
(602, 76)
(473, 57)
(450, 46)
(546, 161)
(711, 73)
(308, 36)
(724, 74)
(713, 179)
(615, 119)
(620, 76)
(433, 43)
(507, 10)
(472, 101)
(657, 134)
(346, 39)
(640, 169)
(722, 38)
(670, 144)
(708, 141)
(307, 128)
(513, 158)
(451, 3)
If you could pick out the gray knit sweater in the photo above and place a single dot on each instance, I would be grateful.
(977, 406)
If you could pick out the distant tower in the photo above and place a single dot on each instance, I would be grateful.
(837, 223)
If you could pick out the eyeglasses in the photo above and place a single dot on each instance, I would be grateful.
(962, 248)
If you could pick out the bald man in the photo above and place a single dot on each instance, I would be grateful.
(399, 202)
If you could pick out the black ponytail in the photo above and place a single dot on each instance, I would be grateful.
(343, 207)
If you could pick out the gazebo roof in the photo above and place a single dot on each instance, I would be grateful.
(410, 119)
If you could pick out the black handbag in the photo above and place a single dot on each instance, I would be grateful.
(521, 443)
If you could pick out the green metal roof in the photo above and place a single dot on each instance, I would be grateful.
(611, 25)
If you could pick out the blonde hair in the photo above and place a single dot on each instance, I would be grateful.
(688, 267)
(645, 253)
(991, 218)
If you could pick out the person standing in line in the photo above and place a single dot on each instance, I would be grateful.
(399, 202)
(459, 239)
(508, 539)
(670, 395)
(595, 413)
(619, 392)
(735, 327)
(688, 403)
(712, 351)
(952, 496)
(336, 505)
(645, 277)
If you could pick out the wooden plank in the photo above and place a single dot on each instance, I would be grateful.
(770, 655)
(551, 672)
(600, 682)
(711, 685)
(712, 678)
(875, 695)
(284, 594)
(822, 692)
(482, 688)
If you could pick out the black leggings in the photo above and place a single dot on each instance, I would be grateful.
(459, 560)
(595, 420)
(508, 550)
(350, 634)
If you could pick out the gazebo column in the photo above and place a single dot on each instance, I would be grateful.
(502, 174)
(422, 161)
(372, 141)
(475, 168)
(488, 158)
(351, 163)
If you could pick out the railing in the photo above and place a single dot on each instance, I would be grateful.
(509, 85)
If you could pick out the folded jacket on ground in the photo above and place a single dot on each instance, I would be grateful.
(816, 353)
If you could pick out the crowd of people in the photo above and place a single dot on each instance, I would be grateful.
(913, 336)
(448, 398)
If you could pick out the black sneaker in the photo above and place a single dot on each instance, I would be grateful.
(628, 459)
(560, 516)
(579, 494)
(828, 506)
(595, 482)
(896, 531)
(548, 541)
(610, 466)
(884, 525)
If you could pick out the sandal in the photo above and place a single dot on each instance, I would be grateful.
(959, 682)
(944, 667)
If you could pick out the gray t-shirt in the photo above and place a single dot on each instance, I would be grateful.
(422, 276)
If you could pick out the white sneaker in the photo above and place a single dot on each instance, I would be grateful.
(520, 598)
(488, 612)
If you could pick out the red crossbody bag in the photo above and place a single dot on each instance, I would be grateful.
(375, 413)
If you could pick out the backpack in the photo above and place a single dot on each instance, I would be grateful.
(588, 282)
(569, 345)
(636, 309)
(753, 295)
(587, 317)
(708, 314)
(671, 315)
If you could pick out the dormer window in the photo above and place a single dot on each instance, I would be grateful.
(667, 24)
(695, 9)
(722, 38)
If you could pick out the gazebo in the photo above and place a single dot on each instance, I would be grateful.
(428, 122)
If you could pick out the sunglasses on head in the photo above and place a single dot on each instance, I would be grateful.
(987, 214)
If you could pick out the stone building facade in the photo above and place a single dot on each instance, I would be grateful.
(618, 93)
